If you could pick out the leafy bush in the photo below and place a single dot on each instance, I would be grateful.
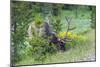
(38, 20)
(20, 51)
(57, 25)
(41, 48)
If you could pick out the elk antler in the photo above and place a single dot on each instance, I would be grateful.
(68, 19)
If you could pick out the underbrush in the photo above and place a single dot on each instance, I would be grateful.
(82, 49)
(41, 52)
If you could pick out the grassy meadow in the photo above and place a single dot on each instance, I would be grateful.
(46, 33)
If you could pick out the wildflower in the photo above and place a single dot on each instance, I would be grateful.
(69, 34)
(62, 34)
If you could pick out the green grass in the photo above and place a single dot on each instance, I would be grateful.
(81, 23)
(78, 53)
(83, 50)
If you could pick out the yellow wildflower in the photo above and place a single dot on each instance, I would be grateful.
(63, 34)
(69, 34)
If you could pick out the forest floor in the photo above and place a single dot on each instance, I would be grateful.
(83, 52)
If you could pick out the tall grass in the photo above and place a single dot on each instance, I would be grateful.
(79, 53)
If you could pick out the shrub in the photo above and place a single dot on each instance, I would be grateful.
(41, 48)
(21, 51)
(38, 20)
(57, 25)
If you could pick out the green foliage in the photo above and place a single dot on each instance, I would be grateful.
(77, 40)
(18, 40)
(22, 13)
(56, 10)
(41, 48)
(38, 20)
(93, 17)
(57, 25)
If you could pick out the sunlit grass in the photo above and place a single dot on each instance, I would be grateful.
(79, 53)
